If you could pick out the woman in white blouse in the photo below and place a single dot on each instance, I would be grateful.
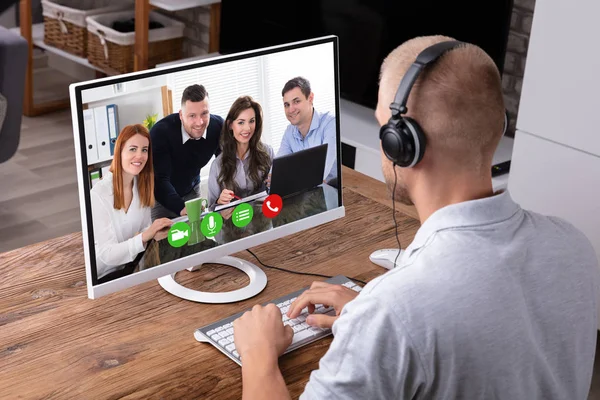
(241, 168)
(122, 202)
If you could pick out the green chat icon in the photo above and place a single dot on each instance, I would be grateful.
(242, 215)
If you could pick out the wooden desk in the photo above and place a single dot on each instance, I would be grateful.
(138, 343)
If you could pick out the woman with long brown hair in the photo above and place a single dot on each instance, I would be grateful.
(122, 202)
(245, 161)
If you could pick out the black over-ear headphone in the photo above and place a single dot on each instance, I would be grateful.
(402, 139)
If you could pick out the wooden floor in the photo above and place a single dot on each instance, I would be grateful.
(38, 186)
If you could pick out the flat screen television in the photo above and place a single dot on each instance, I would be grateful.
(367, 30)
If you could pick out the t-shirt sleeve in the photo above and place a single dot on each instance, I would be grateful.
(371, 357)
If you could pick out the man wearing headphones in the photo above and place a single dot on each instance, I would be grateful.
(488, 301)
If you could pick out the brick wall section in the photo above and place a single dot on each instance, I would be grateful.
(516, 53)
(197, 21)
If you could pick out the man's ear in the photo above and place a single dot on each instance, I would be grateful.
(181, 115)
(311, 96)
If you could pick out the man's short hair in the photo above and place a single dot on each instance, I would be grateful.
(458, 101)
(297, 82)
(194, 93)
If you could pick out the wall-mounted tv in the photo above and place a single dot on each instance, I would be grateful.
(367, 29)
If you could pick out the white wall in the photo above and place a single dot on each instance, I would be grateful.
(138, 99)
(133, 108)
(556, 159)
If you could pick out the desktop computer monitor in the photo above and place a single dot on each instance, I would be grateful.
(119, 160)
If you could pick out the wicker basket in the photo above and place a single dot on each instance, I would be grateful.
(113, 51)
(65, 26)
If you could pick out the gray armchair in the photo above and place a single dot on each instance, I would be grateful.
(13, 66)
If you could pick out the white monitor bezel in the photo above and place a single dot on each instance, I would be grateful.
(98, 290)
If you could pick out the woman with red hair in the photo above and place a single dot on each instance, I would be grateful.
(121, 205)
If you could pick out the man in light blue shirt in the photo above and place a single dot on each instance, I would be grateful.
(308, 127)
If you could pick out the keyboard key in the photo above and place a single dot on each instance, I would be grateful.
(302, 335)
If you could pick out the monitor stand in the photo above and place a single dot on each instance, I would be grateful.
(258, 281)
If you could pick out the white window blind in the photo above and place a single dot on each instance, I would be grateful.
(314, 64)
(262, 78)
(224, 83)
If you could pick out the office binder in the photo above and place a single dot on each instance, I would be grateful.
(104, 171)
(94, 177)
(102, 133)
(113, 126)
(89, 128)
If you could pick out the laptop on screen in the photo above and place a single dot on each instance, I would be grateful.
(299, 171)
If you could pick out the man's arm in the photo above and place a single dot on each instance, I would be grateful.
(286, 143)
(260, 338)
(164, 192)
(330, 137)
(364, 360)
(262, 379)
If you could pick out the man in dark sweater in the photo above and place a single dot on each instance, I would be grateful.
(182, 143)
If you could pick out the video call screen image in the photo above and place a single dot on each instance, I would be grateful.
(186, 159)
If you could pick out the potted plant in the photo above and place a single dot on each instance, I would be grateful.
(150, 121)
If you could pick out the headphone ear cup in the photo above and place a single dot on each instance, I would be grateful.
(416, 142)
(390, 140)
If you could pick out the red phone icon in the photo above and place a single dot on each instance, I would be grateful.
(272, 206)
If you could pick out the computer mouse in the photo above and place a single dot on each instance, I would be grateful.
(385, 257)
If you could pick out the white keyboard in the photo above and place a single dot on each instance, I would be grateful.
(220, 333)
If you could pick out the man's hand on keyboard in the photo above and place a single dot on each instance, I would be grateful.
(261, 332)
(336, 296)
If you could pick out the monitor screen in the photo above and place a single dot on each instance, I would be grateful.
(184, 164)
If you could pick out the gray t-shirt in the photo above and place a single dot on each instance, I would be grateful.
(488, 302)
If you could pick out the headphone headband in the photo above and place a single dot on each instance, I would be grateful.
(427, 56)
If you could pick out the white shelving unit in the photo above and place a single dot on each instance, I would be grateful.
(142, 8)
